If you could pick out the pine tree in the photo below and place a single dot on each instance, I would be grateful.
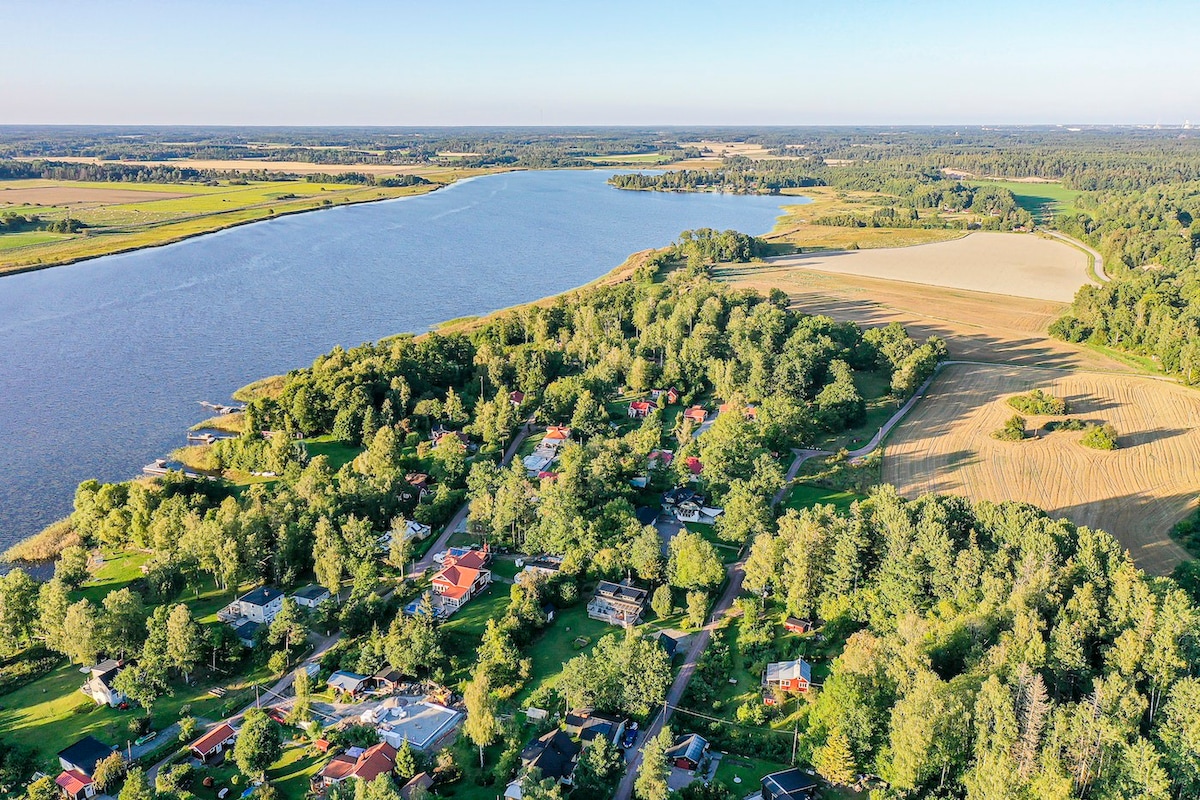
(834, 760)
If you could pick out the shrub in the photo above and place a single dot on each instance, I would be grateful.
(1039, 402)
(1100, 437)
(1068, 424)
(1013, 430)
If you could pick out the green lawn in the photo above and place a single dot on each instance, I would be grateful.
(338, 453)
(11, 241)
(556, 645)
(805, 495)
(875, 388)
(291, 773)
(118, 571)
(1042, 200)
(749, 771)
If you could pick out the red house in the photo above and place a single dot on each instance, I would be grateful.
(376, 760)
(797, 625)
(212, 744)
(76, 785)
(516, 398)
(696, 414)
(640, 409)
(694, 466)
(462, 577)
(786, 676)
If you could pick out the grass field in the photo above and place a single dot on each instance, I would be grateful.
(804, 495)
(128, 216)
(291, 773)
(1137, 493)
(1019, 265)
(1042, 200)
(793, 230)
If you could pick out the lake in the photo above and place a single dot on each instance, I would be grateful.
(103, 363)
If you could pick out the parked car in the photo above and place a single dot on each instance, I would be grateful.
(630, 736)
(141, 740)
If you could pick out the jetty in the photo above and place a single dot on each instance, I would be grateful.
(160, 467)
(208, 437)
(223, 409)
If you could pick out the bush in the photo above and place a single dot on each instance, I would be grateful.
(1100, 437)
(1068, 424)
(1013, 430)
(1039, 402)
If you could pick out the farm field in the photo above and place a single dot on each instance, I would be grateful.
(1136, 492)
(127, 216)
(1043, 199)
(793, 230)
(1009, 264)
(976, 326)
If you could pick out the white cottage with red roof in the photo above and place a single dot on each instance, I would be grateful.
(461, 578)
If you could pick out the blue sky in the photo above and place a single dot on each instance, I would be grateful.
(439, 62)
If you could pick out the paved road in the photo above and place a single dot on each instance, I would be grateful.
(1099, 259)
(443, 541)
(721, 610)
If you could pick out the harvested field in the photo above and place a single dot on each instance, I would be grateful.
(1019, 265)
(976, 326)
(79, 195)
(1137, 493)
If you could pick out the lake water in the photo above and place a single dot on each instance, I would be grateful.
(102, 363)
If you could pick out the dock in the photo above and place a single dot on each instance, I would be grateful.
(208, 437)
(222, 409)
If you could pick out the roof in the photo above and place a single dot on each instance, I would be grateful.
(789, 781)
(558, 432)
(457, 580)
(472, 559)
(587, 724)
(369, 765)
(245, 629)
(646, 515)
(664, 457)
(73, 781)
(667, 643)
(517, 397)
(347, 681)
(377, 760)
(694, 466)
(789, 670)
(421, 779)
(691, 747)
(696, 412)
(640, 405)
(311, 592)
(260, 596)
(85, 753)
(620, 591)
(389, 674)
(213, 739)
(554, 754)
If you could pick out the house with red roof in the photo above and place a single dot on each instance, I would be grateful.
(696, 414)
(749, 412)
(640, 409)
(516, 398)
(672, 395)
(461, 578)
(212, 745)
(694, 466)
(76, 785)
(659, 458)
(557, 433)
(366, 765)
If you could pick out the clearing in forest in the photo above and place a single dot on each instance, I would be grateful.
(1020, 265)
(1137, 492)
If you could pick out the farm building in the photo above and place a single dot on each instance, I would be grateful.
(797, 625)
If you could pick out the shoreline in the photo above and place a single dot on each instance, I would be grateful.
(617, 274)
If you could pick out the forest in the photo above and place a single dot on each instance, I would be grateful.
(990, 652)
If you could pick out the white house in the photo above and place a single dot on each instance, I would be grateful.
(99, 684)
(260, 605)
(310, 596)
